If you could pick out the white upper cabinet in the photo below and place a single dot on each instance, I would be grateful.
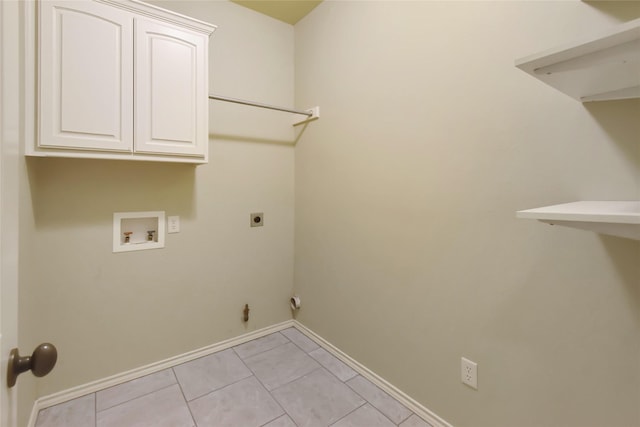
(171, 113)
(86, 77)
(120, 79)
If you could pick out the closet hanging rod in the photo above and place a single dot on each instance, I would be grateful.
(309, 113)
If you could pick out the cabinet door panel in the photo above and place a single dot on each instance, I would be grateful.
(86, 77)
(171, 90)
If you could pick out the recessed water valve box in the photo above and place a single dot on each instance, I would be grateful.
(136, 231)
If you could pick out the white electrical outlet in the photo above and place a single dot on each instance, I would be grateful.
(469, 373)
(174, 224)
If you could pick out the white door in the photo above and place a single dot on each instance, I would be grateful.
(9, 140)
(86, 76)
(170, 90)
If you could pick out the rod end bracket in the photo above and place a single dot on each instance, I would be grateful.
(314, 115)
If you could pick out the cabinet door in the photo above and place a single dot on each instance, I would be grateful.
(170, 90)
(86, 76)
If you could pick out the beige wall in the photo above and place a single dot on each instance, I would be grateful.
(408, 254)
(407, 251)
(108, 313)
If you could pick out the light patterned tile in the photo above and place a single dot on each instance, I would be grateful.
(281, 365)
(245, 403)
(209, 373)
(223, 391)
(130, 390)
(365, 415)
(259, 345)
(77, 412)
(300, 339)
(283, 421)
(415, 421)
(317, 399)
(386, 404)
(162, 408)
(333, 364)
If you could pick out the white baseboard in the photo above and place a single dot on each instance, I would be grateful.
(389, 388)
(101, 384)
(95, 386)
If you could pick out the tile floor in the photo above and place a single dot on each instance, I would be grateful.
(280, 380)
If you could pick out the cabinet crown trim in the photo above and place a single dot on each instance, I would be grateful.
(158, 13)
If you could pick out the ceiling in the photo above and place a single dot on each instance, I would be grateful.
(289, 11)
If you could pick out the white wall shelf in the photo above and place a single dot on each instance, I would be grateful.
(602, 68)
(617, 218)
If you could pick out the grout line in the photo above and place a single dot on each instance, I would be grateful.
(135, 398)
(376, 407)
(351, 412)
(186, 402)
(263, 351)
(273, 419)
(289, 382)
(221, 388)
(127, 382)
(265, 387)
(299, 378)
(329, 370)
(95, 409)
(304, 336)
(253, 374)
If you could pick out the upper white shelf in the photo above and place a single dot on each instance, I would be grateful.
(602, 68)
(607, 217)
